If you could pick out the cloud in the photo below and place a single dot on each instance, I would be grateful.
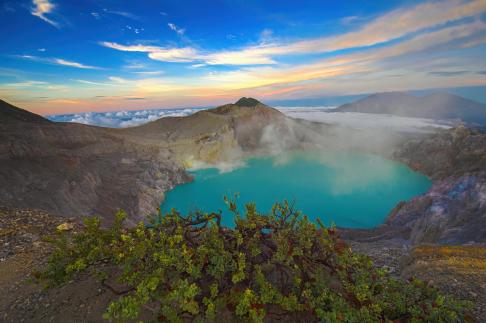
(41, 8)
(266, 35)
(64, 62)
(244, 57)
(388, 27)
(57, 61)
(149, 72)
(365, 121)
(178, 30)
(448, 73)
(176, 55)
(117, 79)
(26, 84)
(349, 20)
(189, 54)
(122, 14)
(122, 119)
(93, 83)
(135, 29)
(346, 64)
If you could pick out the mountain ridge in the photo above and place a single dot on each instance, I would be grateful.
(440, 105)
(11, 113)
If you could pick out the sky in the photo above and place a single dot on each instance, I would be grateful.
(61, 57)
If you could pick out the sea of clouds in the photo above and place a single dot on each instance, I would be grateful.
(366, 121)
(123, 119)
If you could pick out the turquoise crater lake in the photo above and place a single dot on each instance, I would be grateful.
(351, 190)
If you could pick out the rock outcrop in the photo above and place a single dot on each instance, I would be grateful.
(453, 211)
(447, 153)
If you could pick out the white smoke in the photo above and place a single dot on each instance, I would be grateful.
(364, 121)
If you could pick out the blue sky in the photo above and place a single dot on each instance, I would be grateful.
(61, 57)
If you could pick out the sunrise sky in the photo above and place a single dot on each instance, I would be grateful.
(60, 57)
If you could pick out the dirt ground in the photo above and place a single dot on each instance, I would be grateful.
(22, 252)
(455, 270)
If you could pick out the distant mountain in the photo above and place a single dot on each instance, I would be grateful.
(213, 131)
(436, 106)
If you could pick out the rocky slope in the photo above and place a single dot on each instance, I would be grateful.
(447, 153)
(453, 211)
(212, 136)
(435, 106)
(78, 170)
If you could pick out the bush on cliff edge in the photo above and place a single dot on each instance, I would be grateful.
(279, 266)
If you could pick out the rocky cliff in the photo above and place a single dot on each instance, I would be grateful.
(453, 211)
(77, 170)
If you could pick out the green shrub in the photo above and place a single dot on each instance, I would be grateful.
(279, 266)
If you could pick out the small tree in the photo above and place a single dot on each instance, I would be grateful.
(279, 266)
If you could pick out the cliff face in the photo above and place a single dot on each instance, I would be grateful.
(447, 153)
(75, 170)
(78, 170)
(453, 211)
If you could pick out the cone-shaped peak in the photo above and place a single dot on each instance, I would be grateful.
(247, 102)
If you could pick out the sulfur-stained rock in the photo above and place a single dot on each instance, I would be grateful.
(65, 226)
